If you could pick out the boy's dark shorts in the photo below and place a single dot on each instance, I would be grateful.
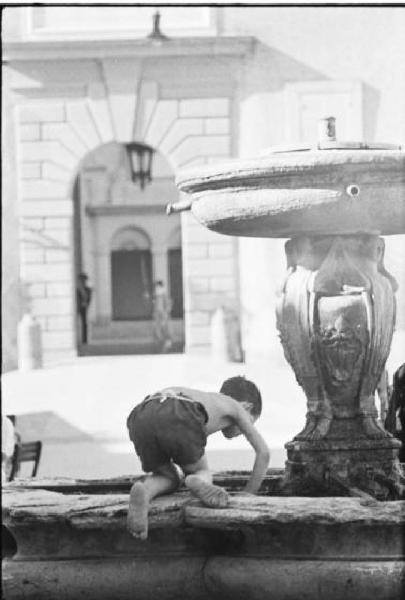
(165, 428)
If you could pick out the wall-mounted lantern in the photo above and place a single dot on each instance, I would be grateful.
(156, 36)
(140, 162)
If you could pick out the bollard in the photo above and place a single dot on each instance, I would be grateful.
(232, 329)
(219, 342)
(29, 343)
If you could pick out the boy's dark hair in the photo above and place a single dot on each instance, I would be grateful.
(243, 390)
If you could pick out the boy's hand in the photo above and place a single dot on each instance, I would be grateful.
(244, 422)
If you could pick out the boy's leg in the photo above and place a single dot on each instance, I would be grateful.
(163, 481)
(199, 482)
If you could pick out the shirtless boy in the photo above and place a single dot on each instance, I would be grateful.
(171, 427)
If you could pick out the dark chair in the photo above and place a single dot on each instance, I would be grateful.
(12, 418)
(26, 452)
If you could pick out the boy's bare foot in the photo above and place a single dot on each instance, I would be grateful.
(209, 494)
(137, 520)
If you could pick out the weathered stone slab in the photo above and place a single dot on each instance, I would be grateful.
(261, 511)
(24, 506)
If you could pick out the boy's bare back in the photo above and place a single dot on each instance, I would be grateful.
(220, 408)
(227, 415)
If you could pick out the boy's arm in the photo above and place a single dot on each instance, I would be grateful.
(254, 438)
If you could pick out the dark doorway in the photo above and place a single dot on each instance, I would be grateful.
(131, 279)
(176, 282)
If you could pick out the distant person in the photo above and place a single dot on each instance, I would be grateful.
(83, 295)
(395, 419)
(8, 441)
(171, 427)
(161, 317)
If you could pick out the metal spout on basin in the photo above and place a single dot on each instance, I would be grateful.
(180, 206)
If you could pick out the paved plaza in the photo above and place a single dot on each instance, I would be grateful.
(78, 409)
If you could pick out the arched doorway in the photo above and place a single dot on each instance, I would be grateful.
(131, 275)
(124, 241)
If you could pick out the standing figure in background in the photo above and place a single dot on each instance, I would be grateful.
(83, 295)
(161, 315)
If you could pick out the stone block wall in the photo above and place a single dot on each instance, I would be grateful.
(48, 153)
(10, 282)
(210, 270)
(54, 136)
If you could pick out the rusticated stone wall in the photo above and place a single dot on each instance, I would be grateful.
(190, 126)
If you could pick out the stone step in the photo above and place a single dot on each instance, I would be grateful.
(115, 348)
(122, 329)
(132, 330)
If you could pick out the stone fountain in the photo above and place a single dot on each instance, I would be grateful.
(302, 537)
(336, 310)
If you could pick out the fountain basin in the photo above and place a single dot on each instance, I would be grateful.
(309, 192)
(73, 544)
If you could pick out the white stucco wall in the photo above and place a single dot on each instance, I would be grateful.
(10, 282)
(308, 44)
(354, 55)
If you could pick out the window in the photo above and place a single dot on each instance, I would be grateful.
(81, 22)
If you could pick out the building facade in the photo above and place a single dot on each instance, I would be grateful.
(79, 85)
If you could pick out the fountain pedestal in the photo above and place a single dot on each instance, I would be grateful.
(336, 315)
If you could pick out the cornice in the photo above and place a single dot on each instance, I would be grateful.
(125, 209)
(53, 50)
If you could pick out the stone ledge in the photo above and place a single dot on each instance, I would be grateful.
(261, 511)
(190, 46)
(108, 511)
(28, 501)
(83, 509)
(75, 544)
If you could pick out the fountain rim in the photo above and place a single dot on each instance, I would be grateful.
(283, 163)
